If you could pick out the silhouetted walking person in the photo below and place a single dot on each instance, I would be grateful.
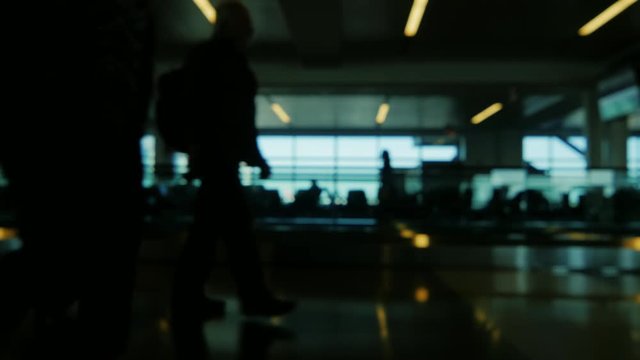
(221, 89)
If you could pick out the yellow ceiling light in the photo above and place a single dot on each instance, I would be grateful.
(280, 113)
(486, 113)
(383, 111)
(207, 9)
(605, 16)
(415, 17)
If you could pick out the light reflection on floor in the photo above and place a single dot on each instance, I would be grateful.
(410, 314)
(389, 306)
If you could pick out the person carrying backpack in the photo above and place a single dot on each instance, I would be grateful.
(220, 89)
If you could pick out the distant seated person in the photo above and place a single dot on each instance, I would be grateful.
(532, 169)
(314, 192)
(310, 198)
(531, 202)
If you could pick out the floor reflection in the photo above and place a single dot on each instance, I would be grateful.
(388, 312)
(257, 338)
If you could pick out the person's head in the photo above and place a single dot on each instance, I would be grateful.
(234, 23)
(385, 155)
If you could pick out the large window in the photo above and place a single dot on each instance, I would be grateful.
(555, 155)
(340, 163)
(148, 155)
(633, 157)
(180, 163)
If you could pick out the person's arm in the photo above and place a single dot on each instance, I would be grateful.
(255, 157)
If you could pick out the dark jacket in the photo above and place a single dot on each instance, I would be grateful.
(221, 92)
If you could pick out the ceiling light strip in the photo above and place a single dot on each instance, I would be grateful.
(383, 111)
(207, 10)
(486, 113)
(280, 113)
(415, 17)
(599, 21)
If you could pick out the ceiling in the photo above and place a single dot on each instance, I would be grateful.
(330, 63)
(329, 112)
(372, 30)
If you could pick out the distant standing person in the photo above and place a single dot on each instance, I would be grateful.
(387, 189)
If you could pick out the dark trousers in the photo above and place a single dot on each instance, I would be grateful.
(221, 214)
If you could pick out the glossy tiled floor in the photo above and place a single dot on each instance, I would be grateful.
(361, 313)
(342, 314)
(557, 316)
(407, 312)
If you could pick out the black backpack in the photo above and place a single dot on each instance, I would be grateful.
(172, 114)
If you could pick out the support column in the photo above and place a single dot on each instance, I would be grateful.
(493, 149)
(607, 141)
(510, 148)
(615, 144)
(593, 129)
